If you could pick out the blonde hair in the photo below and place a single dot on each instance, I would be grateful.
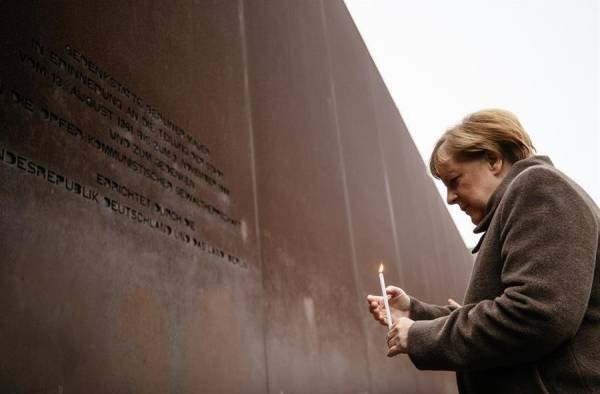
(486, 133)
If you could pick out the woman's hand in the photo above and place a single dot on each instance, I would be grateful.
(399, 303)
(397, 337)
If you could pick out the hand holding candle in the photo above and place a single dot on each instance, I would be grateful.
(397, 336)
(398, 304)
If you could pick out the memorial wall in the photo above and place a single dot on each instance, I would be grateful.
(195, 197)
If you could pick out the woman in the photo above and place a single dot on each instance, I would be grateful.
(530, 322)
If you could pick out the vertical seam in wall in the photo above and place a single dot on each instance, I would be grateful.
(388, 190)
(250, 122)
(344, 180)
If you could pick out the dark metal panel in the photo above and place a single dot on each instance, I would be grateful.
(315, 339)
(99, 302)
(434, 263)
(371, 213)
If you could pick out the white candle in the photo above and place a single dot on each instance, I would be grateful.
(385, 299)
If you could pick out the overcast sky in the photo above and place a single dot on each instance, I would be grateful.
(537, 58)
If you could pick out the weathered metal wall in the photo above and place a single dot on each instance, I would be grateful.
(195, 197)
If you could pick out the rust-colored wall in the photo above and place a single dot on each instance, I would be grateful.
(259, 171)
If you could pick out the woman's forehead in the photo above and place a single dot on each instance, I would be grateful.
(448, 167)
(446, 175)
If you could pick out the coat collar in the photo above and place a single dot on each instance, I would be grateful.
(496, 197)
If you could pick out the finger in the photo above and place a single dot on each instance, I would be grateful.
(374, 305)
(374, 299)
(453, 303)
(384, 318)
(391, 342)
(378, 313)
(392, 332)
(393, 351)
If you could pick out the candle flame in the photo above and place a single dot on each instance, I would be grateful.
(381, 267)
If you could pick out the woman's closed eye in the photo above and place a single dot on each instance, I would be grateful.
(454, 181)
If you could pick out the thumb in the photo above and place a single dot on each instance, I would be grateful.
(394, 291)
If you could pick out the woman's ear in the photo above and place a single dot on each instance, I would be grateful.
(495, 163)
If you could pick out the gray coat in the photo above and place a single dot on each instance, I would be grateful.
(530, 322)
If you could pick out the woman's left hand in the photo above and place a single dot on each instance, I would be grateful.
(397, 337)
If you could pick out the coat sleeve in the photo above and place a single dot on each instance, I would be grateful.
(420, 310)
(549, 238)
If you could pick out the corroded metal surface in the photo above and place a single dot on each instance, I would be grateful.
(195, 197)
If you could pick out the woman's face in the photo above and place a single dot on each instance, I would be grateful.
(470, 184)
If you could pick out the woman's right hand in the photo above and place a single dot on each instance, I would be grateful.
(399, 303)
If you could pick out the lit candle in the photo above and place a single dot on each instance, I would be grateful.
(385, 299)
